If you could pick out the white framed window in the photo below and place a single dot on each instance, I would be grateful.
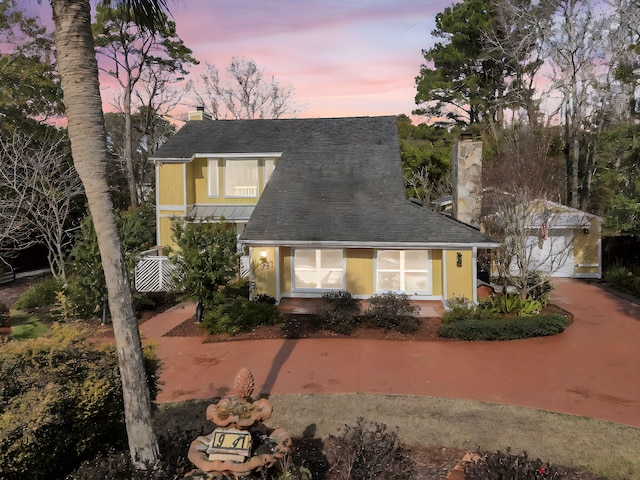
(318, 269)
(407, 271)
(241, 178)
(213, 182)
(269, 167)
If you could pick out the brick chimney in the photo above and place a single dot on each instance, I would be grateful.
(467, 180)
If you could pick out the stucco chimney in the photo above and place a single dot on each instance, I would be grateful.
(467, 180)
(199, 114)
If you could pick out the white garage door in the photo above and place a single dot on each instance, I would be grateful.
(554, 254)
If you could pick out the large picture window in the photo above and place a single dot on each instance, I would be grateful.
(405, 271)
(241, 178)
(318, 269)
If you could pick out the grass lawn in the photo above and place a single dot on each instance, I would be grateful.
(603, 448)
(25, 325)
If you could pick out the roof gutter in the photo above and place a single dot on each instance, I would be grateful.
(157, 160)
(384, 245)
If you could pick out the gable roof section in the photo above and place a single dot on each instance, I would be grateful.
(338, 183)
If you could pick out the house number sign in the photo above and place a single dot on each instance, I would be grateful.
(231, 440)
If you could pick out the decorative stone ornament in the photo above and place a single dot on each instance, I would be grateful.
(240, 443)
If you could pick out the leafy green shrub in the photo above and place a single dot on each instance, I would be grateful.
(617, 275)
(461, 309)
(504, 329)
(87, 287)
(537, 288)
(60, 402)
(237, 288)
(234, 315)
(392, 311)
(41, 294)
(507, 465)
(64, 309)
(264, 298)
(512, 303)
(206, 259)
(340, 312)
(368, 450)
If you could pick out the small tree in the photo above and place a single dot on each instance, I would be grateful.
(39, 193)
(515, 213)
(136, 228)
(132, 53)
(206, 259)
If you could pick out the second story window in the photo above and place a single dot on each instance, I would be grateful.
(241, 178)
(212, 167)
(269, 167)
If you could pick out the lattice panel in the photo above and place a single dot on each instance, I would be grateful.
(154, 274)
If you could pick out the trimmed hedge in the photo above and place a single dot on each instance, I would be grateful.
(505, 328)
(234, 315)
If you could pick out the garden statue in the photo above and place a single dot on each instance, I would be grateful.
(241, 443)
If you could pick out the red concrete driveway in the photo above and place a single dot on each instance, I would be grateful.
(592, 369)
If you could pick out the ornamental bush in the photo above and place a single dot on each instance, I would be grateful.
(368, 450)
(507, 465)
(60, 402)
(461, 309)
(41, 294)
(392, 311)
(497, 328)
(340, 312)
(233, 315)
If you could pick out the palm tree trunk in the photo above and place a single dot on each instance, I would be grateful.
(79, 73)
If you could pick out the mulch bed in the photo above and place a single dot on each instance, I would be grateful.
(298, 326)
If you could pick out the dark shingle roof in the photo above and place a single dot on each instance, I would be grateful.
(338, 181)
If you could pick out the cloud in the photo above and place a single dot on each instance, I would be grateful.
(359, 56)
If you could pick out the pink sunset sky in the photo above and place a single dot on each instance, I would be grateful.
(343, 57)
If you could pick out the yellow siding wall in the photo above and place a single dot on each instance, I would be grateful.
(459, 279)
(196, 180)
(164, 228)
(285, 269)
(198, 185)
(361, 275)
(586, 249)
(360, 271)
(264, 278)
(436, 272)
(171, 184)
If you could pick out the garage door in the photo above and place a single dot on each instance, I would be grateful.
(554, 254)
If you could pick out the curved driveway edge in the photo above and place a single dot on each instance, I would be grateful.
(592, 369)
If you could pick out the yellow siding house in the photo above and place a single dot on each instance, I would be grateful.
(319, 205)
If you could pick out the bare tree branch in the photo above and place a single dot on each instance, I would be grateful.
(39, 188)
(245, 93)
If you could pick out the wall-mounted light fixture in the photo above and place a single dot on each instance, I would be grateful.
(459, 259)
(585, 230)
(264, 262)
